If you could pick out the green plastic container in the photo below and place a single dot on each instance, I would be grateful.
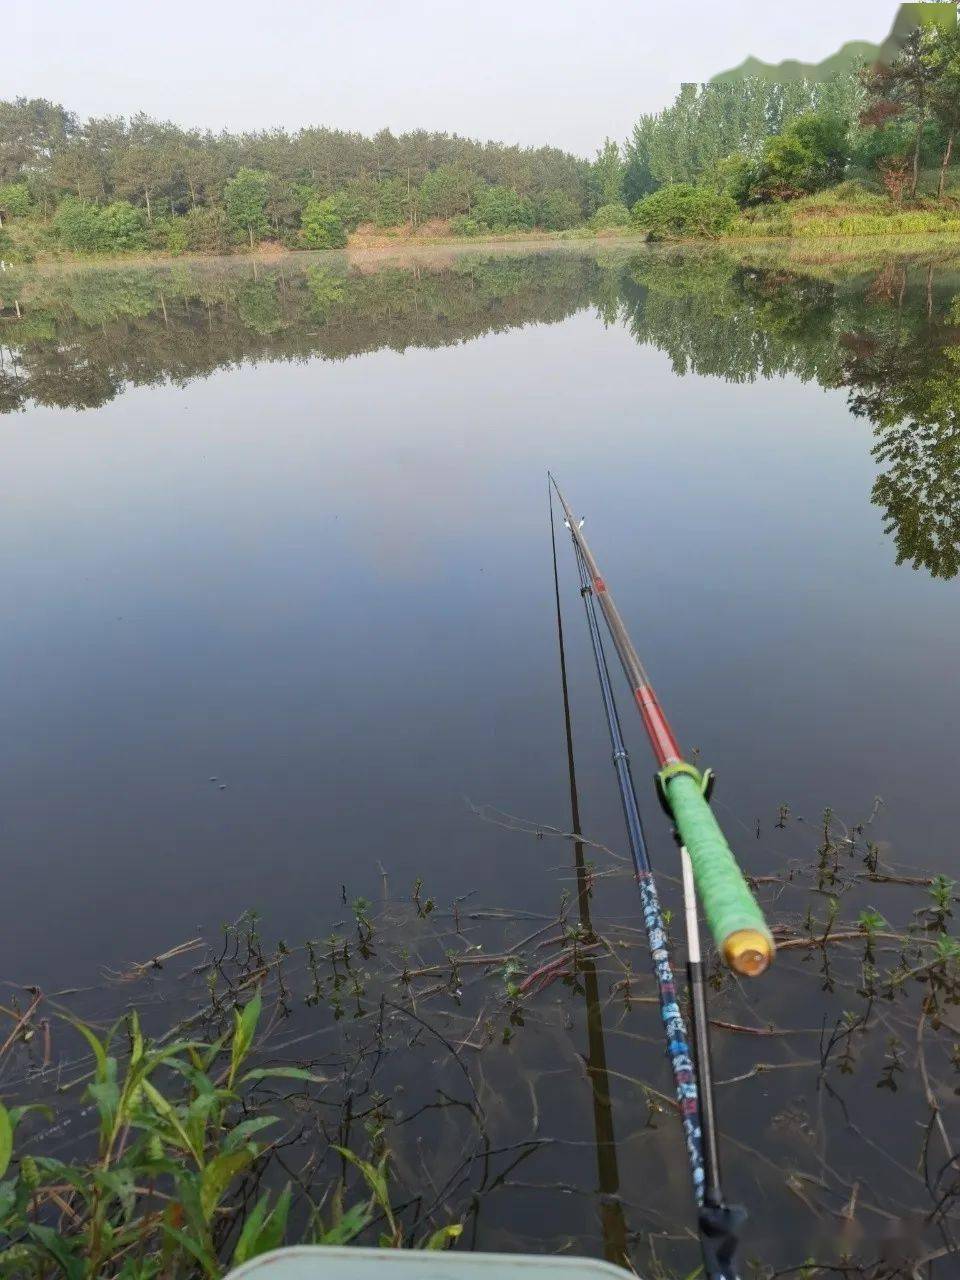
(312, 1262)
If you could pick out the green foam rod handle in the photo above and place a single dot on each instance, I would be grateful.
(735, 919)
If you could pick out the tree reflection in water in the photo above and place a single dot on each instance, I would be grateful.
(889, 332)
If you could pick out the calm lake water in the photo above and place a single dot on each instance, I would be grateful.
(277, 592)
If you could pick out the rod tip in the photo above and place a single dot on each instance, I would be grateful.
(748, 952)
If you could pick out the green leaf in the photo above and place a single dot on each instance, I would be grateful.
(218, 1175)
(167, 1112)
(56, 1245)
(99, 1051)
(120, 1183)
(136, 1038)
(6, 1139)
(375, 1177)
(284, 1073)
(444, 1237)
(243, 1132)
(106, 1094)
(244, 1030)
(262, 1231)
(348, 1228)
(8, 1198)
(271, 1237)
(17, 1113)
(246, 1244)
(194, 1248)
(196, 1118)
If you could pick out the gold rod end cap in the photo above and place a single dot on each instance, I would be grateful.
(748, 952)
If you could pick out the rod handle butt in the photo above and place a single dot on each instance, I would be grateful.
(748, 952)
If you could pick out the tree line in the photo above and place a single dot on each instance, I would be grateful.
(117, 183)
(114, 184)
(738, 145)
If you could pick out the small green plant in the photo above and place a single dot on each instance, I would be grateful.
(871, 922)
(424, 908)
(178, 1151)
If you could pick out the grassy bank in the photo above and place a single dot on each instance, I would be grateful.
(846, 214)
(28, 241)
(850, 211)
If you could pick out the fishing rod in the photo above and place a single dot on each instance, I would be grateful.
(719, 1222)
(735, 919)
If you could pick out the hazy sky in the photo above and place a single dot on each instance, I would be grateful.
(565, 72)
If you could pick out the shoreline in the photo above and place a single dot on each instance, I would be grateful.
(362, 251)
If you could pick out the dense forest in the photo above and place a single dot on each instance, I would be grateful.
(727, 157)
(79, 337)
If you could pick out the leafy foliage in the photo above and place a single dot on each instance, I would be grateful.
(89, 228)
(245, 198)
(682, 211)
(610, 216)
(15, 199)
(606, 175)
(322, 225)
(557, 211)
(447, 191)
(463, 225)
(177, 1140)
(810, 154)
(502, 209)
(77, 225)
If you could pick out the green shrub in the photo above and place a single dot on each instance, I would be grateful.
(76, 224)
(169, 234)
(352, 206)
(391, 206)
(122, 228)
(447, 191)
(206, 230)
(734, 176)
(87, 228)
(180, 1123)
(897, 138)
(610, 216)
(321, 225)
(501, 209)
(464, 225)
(556, 211)
(681, 211)
(15, 199)
(811, 153)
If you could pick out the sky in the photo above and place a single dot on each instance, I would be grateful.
(564, 72)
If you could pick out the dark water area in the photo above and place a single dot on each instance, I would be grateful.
(277, 594)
